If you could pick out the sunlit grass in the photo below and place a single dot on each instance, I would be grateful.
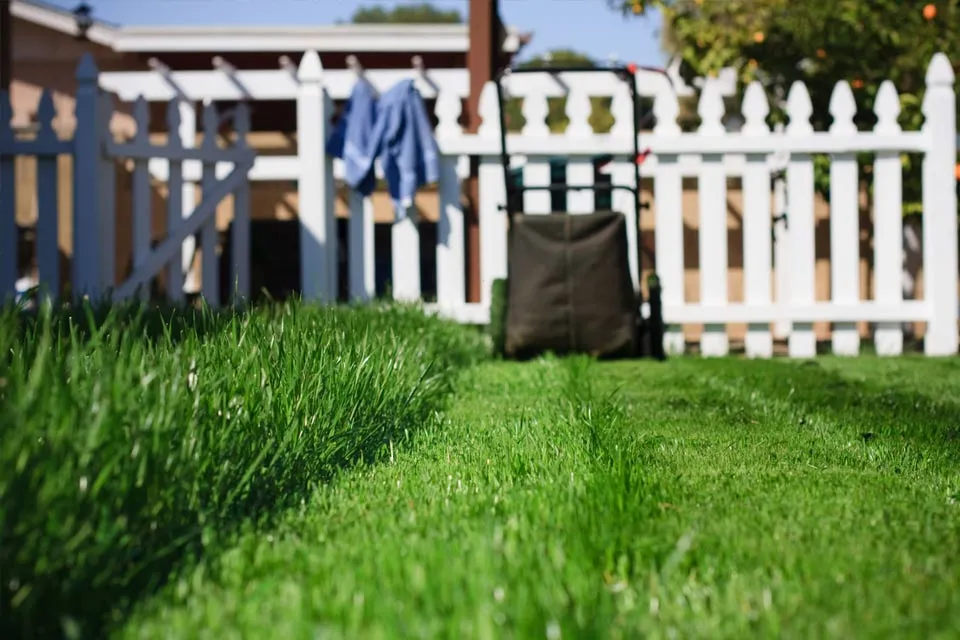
(131, 442)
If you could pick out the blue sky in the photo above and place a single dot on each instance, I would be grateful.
(585, 25)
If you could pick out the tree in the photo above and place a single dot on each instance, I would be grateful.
(818, 42)
(600, 119)
(422, 13)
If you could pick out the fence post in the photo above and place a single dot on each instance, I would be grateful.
(318, 241)
(88, 276)
(940, 209)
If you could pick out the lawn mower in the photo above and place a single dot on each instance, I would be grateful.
(568, 287)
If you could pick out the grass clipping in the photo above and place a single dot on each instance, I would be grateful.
(134, 440)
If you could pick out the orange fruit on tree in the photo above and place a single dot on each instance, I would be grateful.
(930, 11)
(758, 37)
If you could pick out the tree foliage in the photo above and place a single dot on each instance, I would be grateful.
(818, 42)
(422, 13)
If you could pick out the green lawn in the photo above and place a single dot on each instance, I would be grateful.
(566, 498)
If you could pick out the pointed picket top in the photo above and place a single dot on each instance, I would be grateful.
(755, 109)
(843, 108)
(211, 125)
(448, 110)
(46, 114)
(621, 108)
(666, 109)
(141, 115)
(173, 124)
(940, 72)
(310, 69)
(241, 124)
(87, 71)
(489, 108)
(578, 110)
(535, 110)
(710, 108)
(887, 108)
(939, 81)
(799, 109)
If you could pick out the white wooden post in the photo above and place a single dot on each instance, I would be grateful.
(713, 222)
(8, 204)
(240, 234)
(668, 239)
(493, 219)
(940, 209)
(142, 210)
(187, 134)
(536, 170)
(361, 251)
(405, 249)
(108, 196)
(175, 202)
(757, 238)
(315, 192)
(888, 222)
(802, 342)
(210, 275)
(451, 268)
(48, 255)
(623, 174)
(579, 169)
(844, 222)
(781, 238)
(88, 276)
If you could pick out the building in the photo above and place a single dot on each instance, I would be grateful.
(48, 42)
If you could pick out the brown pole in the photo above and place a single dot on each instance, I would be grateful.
(6, 45)
(482, 60)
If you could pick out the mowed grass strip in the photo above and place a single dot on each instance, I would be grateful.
(567, 499)
(133, 441)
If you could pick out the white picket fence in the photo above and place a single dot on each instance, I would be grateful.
(711, 154)
(95, 153)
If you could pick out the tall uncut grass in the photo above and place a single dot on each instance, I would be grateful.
(132, 441)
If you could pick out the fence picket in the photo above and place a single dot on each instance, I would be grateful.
(240, 240)
(142, 206)
(940, 208)
(888, 223)
(844, 222)
(668, 238)
(757, 230)
(622, 174)
(493, 219)
(712, 188)
(175, 192)
(451, 242)
(405, 244)
(48, 251)
(210, 273)
(802, 342)
(8, 203)
(580, 169)
(360, 248)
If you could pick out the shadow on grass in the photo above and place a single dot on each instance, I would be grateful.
(873, 409)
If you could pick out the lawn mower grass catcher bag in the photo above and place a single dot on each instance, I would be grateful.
(569, 288)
